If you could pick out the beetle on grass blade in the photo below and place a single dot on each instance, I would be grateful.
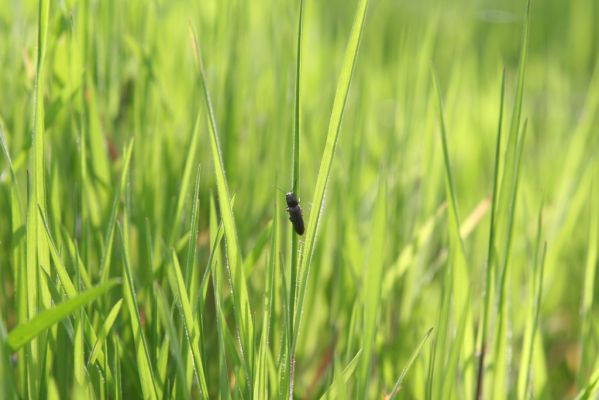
(295, 213)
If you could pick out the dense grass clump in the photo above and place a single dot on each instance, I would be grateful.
(445, 155)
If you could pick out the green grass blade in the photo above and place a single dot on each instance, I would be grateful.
(192, 332)
(372, 282)
(7, 388)
(326, 162)
(221, 324)
(106, 326)
(37, 252)
(457, 260)
(109, 235)
(345, 376)
(185, 179)
(490, 262)
(243, 314)
(192, 243)
(404, 372)
(261, 378)
(164, 313)
(144, 360)
(586, 330)
(26, 332)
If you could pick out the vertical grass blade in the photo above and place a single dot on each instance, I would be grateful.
(587, 335)
(326, 162)
(37, 252)
(243, 314)
(458, 267)
(192, 331)
(295, 188)
(144, 361)
(372, 282)
(490, 262)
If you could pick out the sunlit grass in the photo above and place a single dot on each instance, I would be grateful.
(451, 239)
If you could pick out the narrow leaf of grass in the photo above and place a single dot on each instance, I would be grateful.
(326, 163)
(404, 372)
(372, 282)
(109, 235)
(192, 332)
(586, 330)
(529, 342)
(144, 361)
(164, 313)
(343, 379)
(591, 388)
(500, 370)
(106, 326)
(7, 389)
(261, 379)
(15, 194)
(457, 259)
(37, 253)
(193, 236)
(409, 252)
(242, 309)
(505, 216)
(490, 263)
(26, 332)
(185, 179)
(221, 324)
(60, 269)
(295, 188)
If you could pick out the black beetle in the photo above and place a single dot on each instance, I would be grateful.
(295, 213)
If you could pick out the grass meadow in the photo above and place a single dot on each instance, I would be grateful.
(445, 154)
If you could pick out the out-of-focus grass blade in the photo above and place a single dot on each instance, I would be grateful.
(457, 259)
(261, 378)
(413, 357)
(144, 361)
(591, 388)
(249, 262)
(190, 271)
(185, 179)
(192, 332)
(15, 194)
(109, 235)
(536, 288)
(326, 162)
(408, 253)
(7, 389)
(60, 269)
(372, 281)
(221, 322)
(164, 313)
(586, 330)
(501, 361)
(242, 309)
(108, 322)
(24, 333)
(490, 262)
(345, 376)
(505, 217)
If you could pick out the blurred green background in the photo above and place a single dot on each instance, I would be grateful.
(117, 70)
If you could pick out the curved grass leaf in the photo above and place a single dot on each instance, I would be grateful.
(26, 332)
